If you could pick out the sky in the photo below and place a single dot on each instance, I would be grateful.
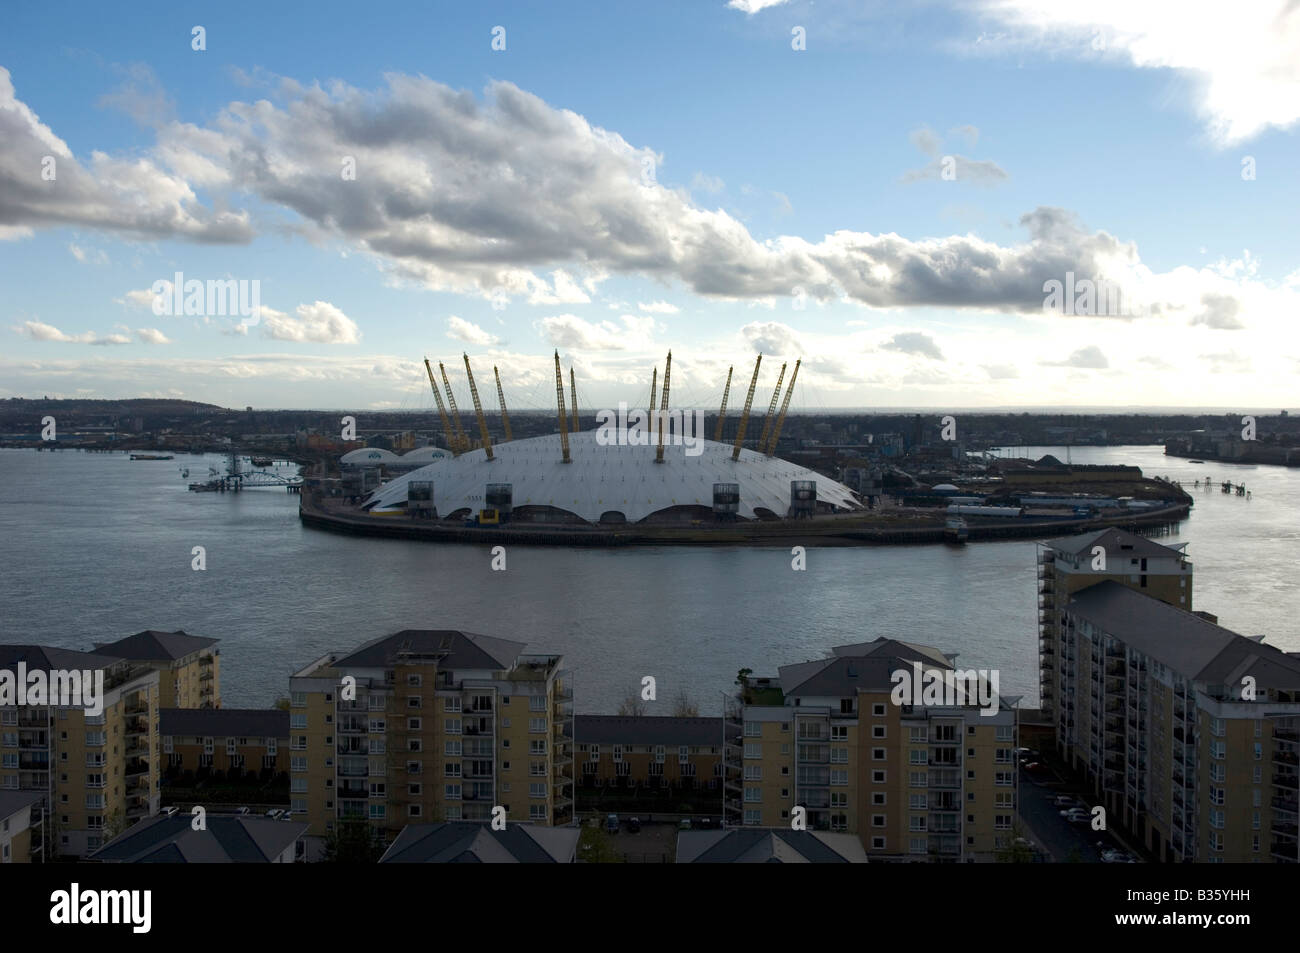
(986, 203)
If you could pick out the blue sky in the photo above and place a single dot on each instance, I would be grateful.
(620, 180)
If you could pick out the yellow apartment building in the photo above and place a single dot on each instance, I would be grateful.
(653, 753)
(235, 742)
(20, 811)
(189, 666)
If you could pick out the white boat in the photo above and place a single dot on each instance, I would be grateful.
(955, 530)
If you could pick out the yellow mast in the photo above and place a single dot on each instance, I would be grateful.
(785, 404)
(461, 439)
(663, 409)
(744, 416)
(771, 411)
(501, 397)
(559, 398)
(442, 412)
(573, 391)
(650, 411)
(722, 413)
(478, 408)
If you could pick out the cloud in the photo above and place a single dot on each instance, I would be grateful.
(1220, 312)
(1001, 372)
(1243, 59)
(1089, 358)
(94, 256)
(754, 6)
(130, 195)
(657, 307)
(317, 323)
(572, 332)
(914, 342)
(970, 133)
(707, 183)
(1229, 362)
(565, 291)
(142, 297)
(977, 171)
(925, 139)
(461, 330)
(152, 336)
(40, 331)
(772, 337)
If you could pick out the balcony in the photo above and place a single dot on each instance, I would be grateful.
(137, 726)
(1287, 781)
(136, 708)
(1285, 757)
(1288, 805)
(136, 767)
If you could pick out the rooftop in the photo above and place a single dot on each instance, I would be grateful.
(457, 650)
(152, 645)
(768, 846)
(1116, 542)
(469, 843)
(646, 730)
(224, 722)
(227, 840)
(11, 802)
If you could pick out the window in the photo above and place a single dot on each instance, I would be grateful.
(537, 747)
(916, 822)
(451, 704)
(298, 786)
(839, 776)
(537, 789)
(840, 733)
(537, 703)
(414, 701)
(298, 721)
(878, 710)
(877, 820)
(917, 845)
(753, 772)
(753, 729)
(916, 734)
(839, 755)
(298, 700)
(537, 812)
(451, 769)
(537, 726)
(917, 802)
(877, 777)
(659, 754)
(753, 794)
(451, 726)
(753, 751)
(377, 726)
(877, 731)
(917, 756)
(298, 763)
(1002, 822)
(878, 798)
(377, 811)
(877, 754)
(413, 724)
(753, 818)
(451, 792)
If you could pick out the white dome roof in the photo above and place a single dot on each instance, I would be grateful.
(424, 455)
(944, 488)
(611, 477)
(367, 457)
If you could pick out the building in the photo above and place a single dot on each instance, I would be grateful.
(760, 846)
(224, 839)
(189, 667)
(1067, 566)
(231, 741)
(650, 752)
(1187, 731)
(431, 725)
(20, 811)
(609, 482)
(96, 773)
(914, 781)
(464, 842)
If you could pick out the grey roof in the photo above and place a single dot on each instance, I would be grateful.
(151, 645)
(1188, 644)
(646, 730)
(11, 802)
(463, 650)
(49, 657)
(766, 846)
(843, 676)
(909, 651)
(224, 722)
(1116, 542)
(227, 840)
(460, 842)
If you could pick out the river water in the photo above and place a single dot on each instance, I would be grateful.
(94, 547)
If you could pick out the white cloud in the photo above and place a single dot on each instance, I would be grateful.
(40, 331)
(572, 332)
(318, 323)
(707, 183)
(565, 291)
(657, 307)
(461, 330)
(754, 6)
(152, 336)
(142, 297)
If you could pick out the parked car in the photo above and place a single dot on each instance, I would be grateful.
(242, 811)
(1112, 856)
(170, 811)
(1033, 767)
(1077, 815)
(634, 824)
(1027, 754)
(684, 824)
(1067, 801)
(611, 823)
(275, 813)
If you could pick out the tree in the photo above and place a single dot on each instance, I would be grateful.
(632, 706)
(1019, 850)
(354, 842)
(282, 703)
(684, 707)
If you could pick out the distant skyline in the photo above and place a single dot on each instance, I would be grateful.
(884, 193)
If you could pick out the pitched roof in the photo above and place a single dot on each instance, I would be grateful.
(11, 802)
(646, 730)
(224, 722)
(761, 845)
(227, 840)
(152, 645)
(867, 666)
(1190, 645)
(461, 650)
(1116, 542)
(459, 842)
(50, 657)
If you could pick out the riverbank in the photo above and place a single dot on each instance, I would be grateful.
(332, 516)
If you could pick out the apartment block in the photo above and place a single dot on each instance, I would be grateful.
(188, 666)
(1070, 565)
(914, 781)
(20, 811)
(1186, 730)
(431, 725)
(235, 742)
(97, 774)
(649, 752)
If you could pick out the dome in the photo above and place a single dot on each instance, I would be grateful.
(611, 482)
(422, 456)
(944, 488)
(368, 457)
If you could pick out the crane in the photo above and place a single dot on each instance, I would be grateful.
(722, 413)
(744, 416)
(442, 412)
(478, 408)
(663, 408)
(559, 397)
(461, 439)
(771, 411)
(573, 392)
(501, 397)
(785, 405)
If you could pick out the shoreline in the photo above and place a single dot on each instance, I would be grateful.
(823, 532)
